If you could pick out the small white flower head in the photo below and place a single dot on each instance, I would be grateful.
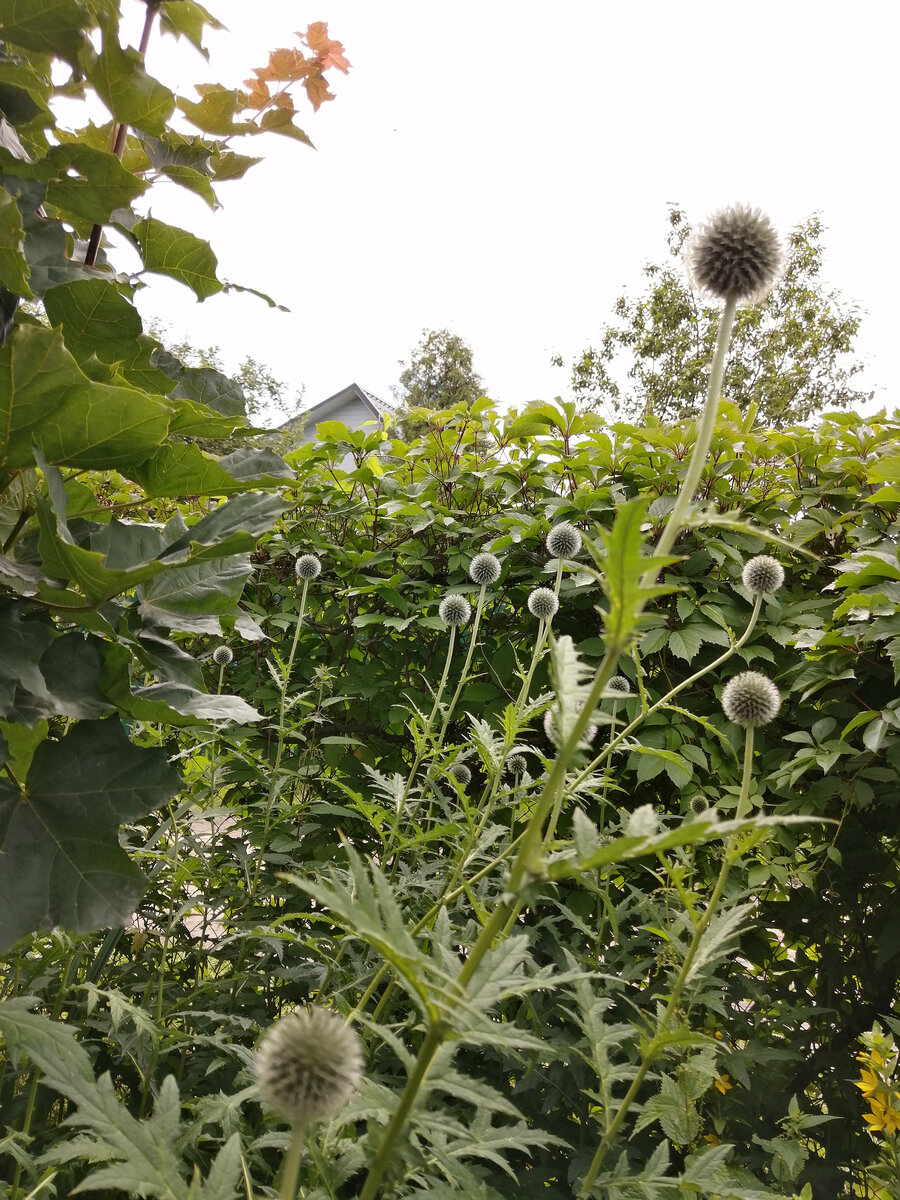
(516, 764)
(762, 574)
(307, 566)
(698, 805)
(552, 730)
(736, 254)
(454, 610)
(563, 541)
(484, 568)
(750, 699)
(308, 1065)
(222, 656)
(619, 684)
(543, 603)
(461, 774)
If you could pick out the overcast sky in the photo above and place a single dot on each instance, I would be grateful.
(502, 168)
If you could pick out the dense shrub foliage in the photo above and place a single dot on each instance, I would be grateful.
(305, 751)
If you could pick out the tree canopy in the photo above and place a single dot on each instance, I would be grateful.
(440, 374)
(791, 356)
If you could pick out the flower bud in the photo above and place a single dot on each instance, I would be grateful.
(543, 603)
(461, 774)
(307, 566)
(619, 684)
(563, 541)
(484, 568)
(736, 254)
(762, 574)
(222, 656)
(454, 610)
(750, 699)
(516, 764)
(308, 1065)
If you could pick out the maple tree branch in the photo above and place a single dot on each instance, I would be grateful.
(118, 149)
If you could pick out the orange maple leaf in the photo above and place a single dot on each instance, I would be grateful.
(283, 100)
(259, 94)
(317, 90)
(328, 52)
(286, 64)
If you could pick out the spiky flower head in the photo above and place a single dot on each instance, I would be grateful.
(516, 764)
(307, 566)
(736, 254)
(698, 805)
(552, 730)
(750, 699)
(762, 574)
(454, 610)
(484, 568)
(619, 684)
(222, 656)
(543, 603)
(308, 1065)
(563, 541)
(461, 774)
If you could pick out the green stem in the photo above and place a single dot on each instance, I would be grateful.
(743, 804)
(291, 1173)
(465, 671)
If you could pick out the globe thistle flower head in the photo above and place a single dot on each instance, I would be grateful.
(222, 656)
(516, 764)
(543, 603)
(563, 541)
(461, 774)
(698, 805)
(484, 568)
(307, 566)
(736, 254)
(750, 699)
(308, 1065)
(619, 684)
(552, 728)
(762, 574)
(454, 610)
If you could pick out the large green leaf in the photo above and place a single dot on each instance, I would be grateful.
(95, 319)
(24, 636)
(168, 250)
(131, 95)
(45, 399)
(46, 245)
(48, 26)
(61, 831)
(188, 19)
(192, 598)
(216, 111)
(100, 183)
(14, 270)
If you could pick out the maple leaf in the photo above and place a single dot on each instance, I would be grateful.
(317, 90)
(259, 94)
(283, 100)
(328, 52)
(286, 64)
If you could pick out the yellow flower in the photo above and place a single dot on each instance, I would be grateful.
(882, 1117)
(712, 1139)
(722, 1085)
(867, 1083)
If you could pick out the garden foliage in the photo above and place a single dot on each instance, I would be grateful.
(637, 967)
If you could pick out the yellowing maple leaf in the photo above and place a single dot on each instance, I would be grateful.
(317, 90)
(328, 52)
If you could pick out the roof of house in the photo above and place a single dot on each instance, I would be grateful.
(325, 408)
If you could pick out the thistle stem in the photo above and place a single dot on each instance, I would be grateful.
(291, 1173)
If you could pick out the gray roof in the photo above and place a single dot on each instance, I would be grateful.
(322, 410)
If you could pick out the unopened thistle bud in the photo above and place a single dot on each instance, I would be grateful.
(619, 684)
(750, 699)
(461, 774)
(222, 656)
(543, 603)
(736, 254)
(762, 574)
(308, 1065)
(307, 566)
(516, 764)
(454, 610)
(698, 805)
(563, 541)
(484, 568)
(552, 730)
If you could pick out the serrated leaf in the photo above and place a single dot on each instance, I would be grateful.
(686, 642)
(62, 831)
(168, 250)
(14, 270)
(98, 186)
(192, 598)
(132, 96)
(48, 26)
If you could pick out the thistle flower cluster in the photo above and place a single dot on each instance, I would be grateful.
(552, 730)
(308, 1065)
(222, 656)
(762, 574)
(698, 805)
(461, 774)
(563, 541)
(750, 699)
(736, 254)
(307, 566)
(515, 764)
(484, 569)
(619, 684)
(543, 603)
(454, 610)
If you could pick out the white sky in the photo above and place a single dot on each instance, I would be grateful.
(502, 168)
